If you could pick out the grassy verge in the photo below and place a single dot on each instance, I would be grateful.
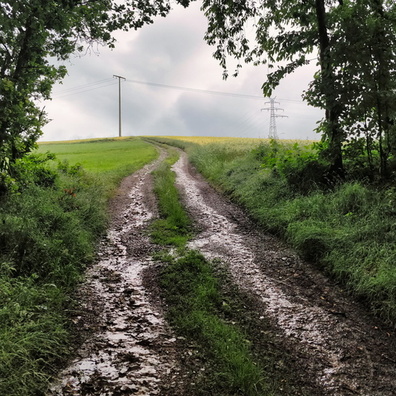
(198, 308)
(349, 230)
(50, 220)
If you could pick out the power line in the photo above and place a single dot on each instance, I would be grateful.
(197, 90)
(253, 121)
(84, 88)
(108, 82)
(206, 91)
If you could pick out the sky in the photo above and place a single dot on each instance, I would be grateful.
(173, 86)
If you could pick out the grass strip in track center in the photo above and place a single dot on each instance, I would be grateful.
(196, 305)
(174, 226)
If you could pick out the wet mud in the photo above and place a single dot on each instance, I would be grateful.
(338, 348)
(335, 341)
(130, 348)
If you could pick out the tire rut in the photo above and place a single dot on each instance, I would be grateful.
(335, 341)
(131, 349)
(338, 347)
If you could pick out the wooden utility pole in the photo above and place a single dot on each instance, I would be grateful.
(119, 104)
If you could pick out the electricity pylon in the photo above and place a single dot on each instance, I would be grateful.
(273, 134)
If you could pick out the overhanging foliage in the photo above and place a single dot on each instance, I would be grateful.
(36, 33)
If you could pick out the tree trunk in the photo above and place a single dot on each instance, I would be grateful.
(333, 130)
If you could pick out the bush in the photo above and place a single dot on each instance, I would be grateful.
(49, 223)
(49, 229)
(301, 167)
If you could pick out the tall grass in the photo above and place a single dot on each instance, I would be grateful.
(50, 221)
(33, 335)
(47, 236)
(348, 230)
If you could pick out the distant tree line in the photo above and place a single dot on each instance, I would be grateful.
(352, 41)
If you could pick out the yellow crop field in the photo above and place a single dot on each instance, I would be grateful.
(203, 140)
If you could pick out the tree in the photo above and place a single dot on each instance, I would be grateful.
(290, 31)
(354, 41)
(36, 33)
(364, 62)
(287, 31)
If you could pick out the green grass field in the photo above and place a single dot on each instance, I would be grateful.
(119, 156)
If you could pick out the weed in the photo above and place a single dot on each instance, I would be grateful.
(173, 228)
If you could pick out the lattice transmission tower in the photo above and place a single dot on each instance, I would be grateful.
(273, 133)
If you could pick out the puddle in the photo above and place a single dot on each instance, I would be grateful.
(126, 356)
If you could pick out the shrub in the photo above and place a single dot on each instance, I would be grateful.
(49, 229)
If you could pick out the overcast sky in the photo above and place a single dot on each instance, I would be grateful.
(172, 53)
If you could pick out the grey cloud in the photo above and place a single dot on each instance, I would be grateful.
(172, 52)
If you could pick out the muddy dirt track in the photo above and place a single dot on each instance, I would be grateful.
(129, 349)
